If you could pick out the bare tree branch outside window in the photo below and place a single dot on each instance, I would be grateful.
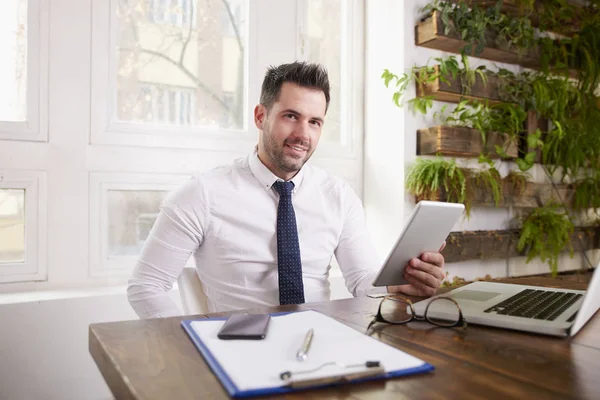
(182, 62)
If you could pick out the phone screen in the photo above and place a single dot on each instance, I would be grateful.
(245, 326)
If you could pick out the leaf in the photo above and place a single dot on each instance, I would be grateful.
(397, 99)
(532, 141)
(501, 152)
(523, 165)
(530, 157)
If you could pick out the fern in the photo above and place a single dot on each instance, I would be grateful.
(428, 178)
(545, 233)
(516, 182)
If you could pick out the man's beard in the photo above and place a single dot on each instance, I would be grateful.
(280, 159)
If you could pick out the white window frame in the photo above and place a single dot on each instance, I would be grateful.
(34, 266)
(101, 265)
(105, 129)
(35, 127)
(352, 70)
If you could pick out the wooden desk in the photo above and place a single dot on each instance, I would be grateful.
(155, 359)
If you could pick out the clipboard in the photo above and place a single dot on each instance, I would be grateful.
(248, 368)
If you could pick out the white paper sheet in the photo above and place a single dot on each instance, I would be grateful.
(254, 364)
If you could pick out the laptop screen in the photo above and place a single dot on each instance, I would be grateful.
(590, 303)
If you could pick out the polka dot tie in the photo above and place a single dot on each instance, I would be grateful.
(291, 288)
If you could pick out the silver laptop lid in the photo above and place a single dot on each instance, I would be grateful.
(590, 303)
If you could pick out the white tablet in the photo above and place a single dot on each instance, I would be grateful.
(425, 231)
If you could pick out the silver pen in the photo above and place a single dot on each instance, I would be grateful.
(302, 353)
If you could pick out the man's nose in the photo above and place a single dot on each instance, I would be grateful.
(302, 130)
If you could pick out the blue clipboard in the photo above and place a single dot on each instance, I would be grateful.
(235, 392)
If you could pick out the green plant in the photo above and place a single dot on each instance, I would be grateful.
(516, 182)
(545, 232)
(428, 177)
(587, 193)
(515, 32)
(489, 179)
(470, 23)
(562, 93)
(438, 177)
(446, 69)
(468, 75)
(502, 118)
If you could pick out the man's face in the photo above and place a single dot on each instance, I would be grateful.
(290, 130)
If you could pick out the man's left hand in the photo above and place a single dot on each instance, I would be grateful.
(424, 274)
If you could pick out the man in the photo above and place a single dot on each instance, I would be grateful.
(263, 230)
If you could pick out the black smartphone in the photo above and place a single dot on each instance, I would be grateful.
(245, 326)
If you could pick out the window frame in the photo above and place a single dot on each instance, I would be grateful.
(34, 267)
(105, 129)
(35, 126)
(101, 264)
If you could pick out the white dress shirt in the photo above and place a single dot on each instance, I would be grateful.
(226, 219)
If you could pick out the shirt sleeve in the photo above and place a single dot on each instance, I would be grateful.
(355, 252)
(175, 236)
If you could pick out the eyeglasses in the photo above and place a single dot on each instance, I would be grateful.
(440, 311)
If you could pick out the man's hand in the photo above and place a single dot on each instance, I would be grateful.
(425, 275)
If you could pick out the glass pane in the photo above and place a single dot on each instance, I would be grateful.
(131, 215)
(321, 42)
(182, 62)
(12, 225)
(13, 66)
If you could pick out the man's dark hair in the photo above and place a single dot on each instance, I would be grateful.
(303, 74)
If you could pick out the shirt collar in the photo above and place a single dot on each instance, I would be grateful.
(266, 177)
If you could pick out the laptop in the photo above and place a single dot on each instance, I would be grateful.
(549, 311)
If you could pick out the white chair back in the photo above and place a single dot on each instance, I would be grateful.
(193, 299)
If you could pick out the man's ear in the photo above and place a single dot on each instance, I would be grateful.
(260, 114)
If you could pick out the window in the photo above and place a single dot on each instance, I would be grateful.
(23, 70)
(124, 207)
(13, 70)
(12, 226)
(22, 226)
(176, 12)
(131, 214)
(164, 105)
(324, 31)
(200, 65)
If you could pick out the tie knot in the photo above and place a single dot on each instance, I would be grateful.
(284, 188)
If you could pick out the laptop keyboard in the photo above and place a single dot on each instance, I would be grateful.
(537, 304)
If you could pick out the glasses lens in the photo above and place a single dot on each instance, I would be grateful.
(396, 310)
(443, 312)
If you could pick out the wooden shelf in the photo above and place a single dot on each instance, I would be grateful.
(487, 245)
(430, 33)
(459, 142)
(454, 92)
(532, 196)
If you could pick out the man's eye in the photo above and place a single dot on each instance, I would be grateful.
(316, 123)
(290, 116)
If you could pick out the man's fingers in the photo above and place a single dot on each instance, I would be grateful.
(424, 290)
(425, 277)
(428, 268)
(433, 258)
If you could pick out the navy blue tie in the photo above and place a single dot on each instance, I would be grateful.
(291, 288)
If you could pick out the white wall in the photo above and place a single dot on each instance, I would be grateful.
(44, 346)
(390, 143)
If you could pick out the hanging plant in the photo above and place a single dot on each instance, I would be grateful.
(545, 233)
